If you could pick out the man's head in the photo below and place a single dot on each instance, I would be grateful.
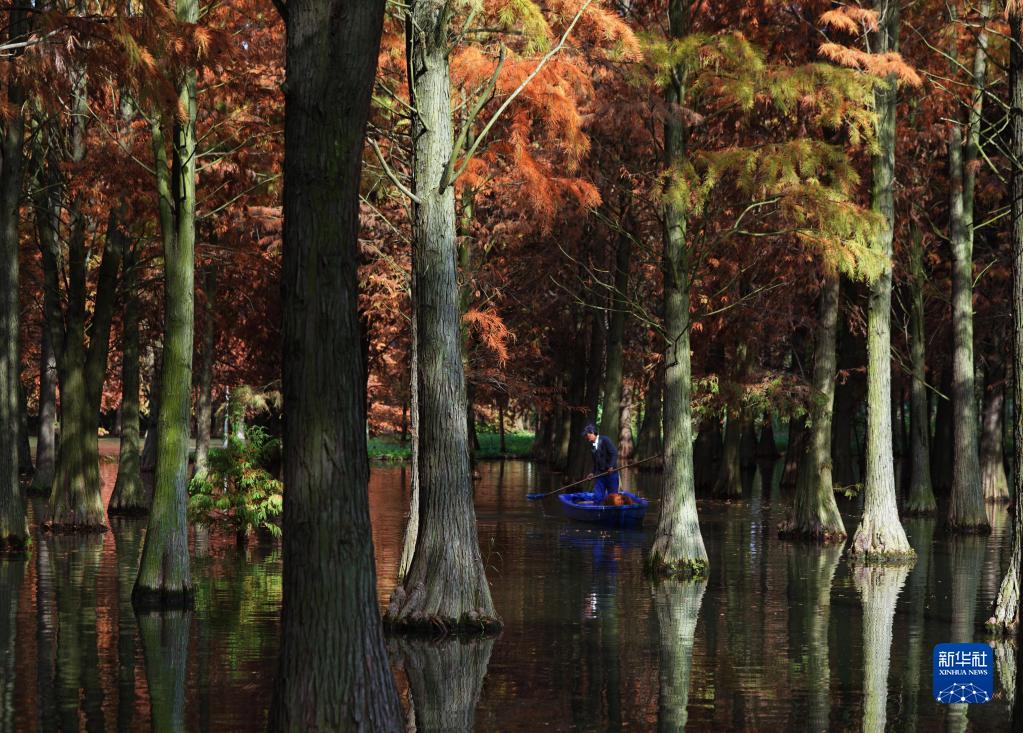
(590, 432)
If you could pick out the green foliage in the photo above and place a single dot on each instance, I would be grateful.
(237, 492)
(526, 18)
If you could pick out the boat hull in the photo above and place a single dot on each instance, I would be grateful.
(580, 507)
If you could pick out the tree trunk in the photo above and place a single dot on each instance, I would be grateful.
(408, 548)
(921, 494)
(1005, 617)
(580, 461)
(815, 514)
(678, 547)
(13, 526)
(677, 605)
(610, 421)
(165, 648)
(941, 445)
(446, 585)
(843, 472)
(129, 496)
(706, 452)
(204, 392)
(994, 482)
(795, 450)
(767, 448)
(880, 535)
(649, 443)
(46, 440)
(626, 445)
(879, 587)
(24, 448)
(729, 480)
(165, 578)
(445, 681)
(334, 672)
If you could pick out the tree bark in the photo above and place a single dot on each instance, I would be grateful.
(649, 442)
(994, 482)
(24, 448)
(46, 439)
(129, 496)
(815, 515)
(677, 605)
(611, 417)
(13, 525)
(204, 391)
(729, 480)
(446, 584)
(1005, 617)
(165, 578)
(880, 535)
(921, 494)
(333, 672)
(678, 548)
(408, 548)
(941, 444)
(795, 450)
(767, 448)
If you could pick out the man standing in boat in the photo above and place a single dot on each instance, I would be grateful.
(605, 463)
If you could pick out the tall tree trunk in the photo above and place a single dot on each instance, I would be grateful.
(1005, 617)
(610, 421)
(334, 672)
(13, 526)
(580, 451)
(729, 479)
(165, 578)
(677, 605)
(941, 445)
(815, 514)
(880, 535)
(843, 472)
(24, 448)
(204, 391)
(799, 436)
(46, 439)
(626, 445)
(994, 482)
(921, 494)
(678, 547)
(129, 496)
(649, 443)
(767, 448)
(408, 548)
(446, 584)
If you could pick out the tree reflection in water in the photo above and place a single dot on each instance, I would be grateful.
(677, 605)
(445, 679)
(879, 587)
(165, 645)
(128, 540)
(920, 531)
(967, 567)
(12, 572)
(811, 569)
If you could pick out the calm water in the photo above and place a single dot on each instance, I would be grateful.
(775, 639)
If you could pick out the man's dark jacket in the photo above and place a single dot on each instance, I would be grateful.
(605, 455)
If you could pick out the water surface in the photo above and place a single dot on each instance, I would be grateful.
(780, 636)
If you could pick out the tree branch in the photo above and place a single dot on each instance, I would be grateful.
(390, 174)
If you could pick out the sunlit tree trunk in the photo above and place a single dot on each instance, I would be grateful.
(129, 496)
(46, 438)
(677, 605)
(204, 389)
(994, 482)
(13, 527)
(966, 509)
(333, 672)
(165, 578)
(921, 494)
(880, 535)
(408, 548)
(678, 547)
(610, 421)
(1005, 618)
(446, 583)
(815, 512)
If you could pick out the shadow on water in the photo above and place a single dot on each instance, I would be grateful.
(445, 679)
(677, 605)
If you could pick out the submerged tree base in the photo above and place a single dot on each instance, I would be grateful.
(816, 533)
(405, 616)
(74, 527)
(659, 567)
(978, 528)
(922, 509)
(161, 599)
(128, 511)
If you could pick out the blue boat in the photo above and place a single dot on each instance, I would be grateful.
(582, 507)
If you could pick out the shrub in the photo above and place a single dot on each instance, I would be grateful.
(236, 492)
